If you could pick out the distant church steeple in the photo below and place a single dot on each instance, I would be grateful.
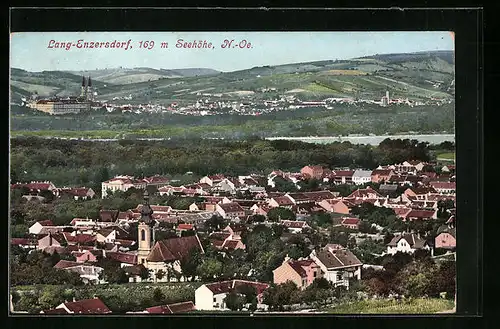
(146, 223)
(83, 89)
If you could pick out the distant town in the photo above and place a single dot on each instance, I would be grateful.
(207, 103)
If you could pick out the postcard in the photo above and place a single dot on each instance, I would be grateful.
(245, 173)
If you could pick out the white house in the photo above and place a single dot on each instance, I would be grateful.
(361, 177)
(38, 226)
(211, 296)
(407, 243)
(121, 183)
(338, 264)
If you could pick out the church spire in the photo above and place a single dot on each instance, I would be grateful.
(146, 211)
(89, 82)
(83, 81)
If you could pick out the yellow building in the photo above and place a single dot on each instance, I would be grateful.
(56, 107)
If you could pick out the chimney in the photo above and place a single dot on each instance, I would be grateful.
(286, 259)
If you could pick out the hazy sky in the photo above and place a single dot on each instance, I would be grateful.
(30, 50)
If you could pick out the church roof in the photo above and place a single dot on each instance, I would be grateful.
(174, 249)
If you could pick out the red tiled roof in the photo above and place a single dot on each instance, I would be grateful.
(381, 172)
(76, 191)
(122, 257)
(350, 221)
(55, 311)
(47, 222)
(108, 215)
(343, 173)
(62, 264)
(21, 242)
(443, 185)
(420, 213)
(298, 266)
(173, 249)
(88, 306)
(231, 244)
(283, 200)
(185, 227)
(79, 238)
(228, 286)
(401, 211)
(231, 207)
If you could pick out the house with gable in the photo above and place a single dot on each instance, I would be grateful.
(338, 265)
(446, 237)
(335, 205)
(37, 227)
(84, 306)
(312, 172)
(230, 210)
(302, 272)
(407, 243)
(212, 180)
(121, 183)
(210, 296)
(360, 177)
(381, 175)
(294, 226)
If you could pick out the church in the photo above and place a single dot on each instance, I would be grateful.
(162, 255)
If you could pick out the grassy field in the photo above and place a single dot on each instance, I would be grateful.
(446, 156)
(414, 306)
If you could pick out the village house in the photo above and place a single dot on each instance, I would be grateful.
(448, 168)
(51, 240)
(125, 259)
(85, 306)
(24, 243)
(381, 175)
(230, 210)
(446, 237)
(260, 209)
(388, 189)
(351, 223)
(183, 228)
(36, 187)
(89, 273)
(85, 256)
(281, 201)
(212, 180)
(302, 272)
(211, 296)
(226, 240)
(366, 193)
(108, 216)
(360, 177)
(444, 187)
(342, 176)
(421, 214)
(407, 243)
(294, 226)
(121, 183)
(335, 205)
(314, 172)
(77, 193)
(37, 227)
(176, 308)
(338, 264)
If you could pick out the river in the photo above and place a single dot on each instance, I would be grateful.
(372, 140)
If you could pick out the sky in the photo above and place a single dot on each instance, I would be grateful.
(34, 51)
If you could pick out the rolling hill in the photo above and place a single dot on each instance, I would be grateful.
(417, 76)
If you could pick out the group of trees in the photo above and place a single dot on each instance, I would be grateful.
(319, 292)
(37, 267)
(412, 276)
(80, 163)
(119, 298)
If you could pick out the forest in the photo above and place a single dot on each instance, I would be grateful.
(84, 163)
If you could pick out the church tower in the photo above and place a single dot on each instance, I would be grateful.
(83, 89)
(145, 227)
(90, 93)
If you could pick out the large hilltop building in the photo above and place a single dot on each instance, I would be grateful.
(68, 105)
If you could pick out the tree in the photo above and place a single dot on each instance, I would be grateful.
(320, 283)
(280, 213)
(190, 263)
(210, 269)
(144, 273)
(160, 274)
(158, 296)
(51, 297)
(215, 223)
(248, 291)
(234, 301)
(47, 195)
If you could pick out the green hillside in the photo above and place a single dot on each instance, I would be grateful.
(417, 76)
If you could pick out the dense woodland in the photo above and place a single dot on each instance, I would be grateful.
(81, 163)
